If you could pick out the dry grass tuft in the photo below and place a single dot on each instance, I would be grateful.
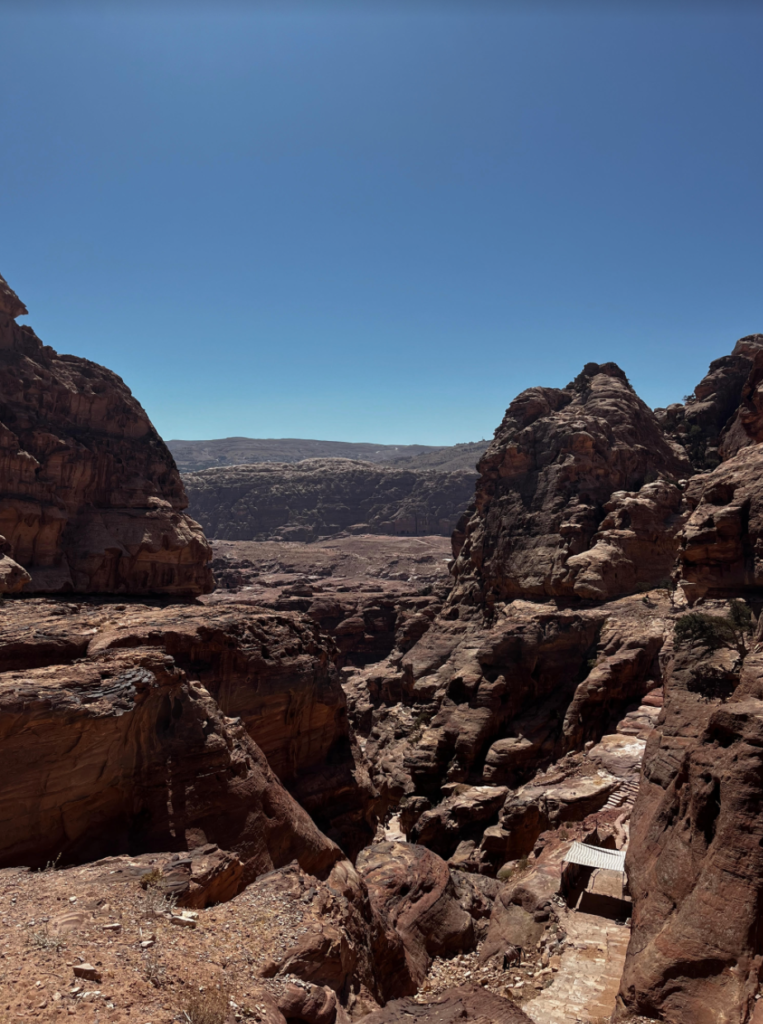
(41, 939)
(211, 1006)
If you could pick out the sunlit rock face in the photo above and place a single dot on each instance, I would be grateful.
(568, 503)
(90, 498)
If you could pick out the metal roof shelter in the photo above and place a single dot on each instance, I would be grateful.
(596, 857)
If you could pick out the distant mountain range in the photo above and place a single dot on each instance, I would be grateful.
(192, 456)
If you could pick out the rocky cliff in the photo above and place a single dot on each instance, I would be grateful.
(694, 862)
(564, 506)
(192, 456)
(322, 497)
(130, 755)
(598, 534)
(383, 780)
(90, 498)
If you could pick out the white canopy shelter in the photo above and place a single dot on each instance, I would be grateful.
(596, 857)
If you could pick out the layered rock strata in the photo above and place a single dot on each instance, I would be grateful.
(136, 685)
(130, 755)
(90, 498)
(323, 497)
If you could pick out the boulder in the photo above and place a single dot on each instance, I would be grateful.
(12, 576)
(411, 893)
(462, 816)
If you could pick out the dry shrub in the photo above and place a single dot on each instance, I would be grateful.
(41, 939)
(212, 1006)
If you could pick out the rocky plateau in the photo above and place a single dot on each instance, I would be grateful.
(319, 498)
(375, 775)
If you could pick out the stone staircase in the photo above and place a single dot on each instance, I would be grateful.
(586, 985)
(624, 795)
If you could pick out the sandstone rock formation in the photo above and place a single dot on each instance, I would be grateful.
(467, 1004)
(412, 895)
(746, 426)
(720, 545)
(321, 497)
(695, 864)
(452, 745)
(131, 755)
(192, 456)
(90, 499)
(10, 304)
(556, 461)
(270, 676)
(720, 416)
(12, 576)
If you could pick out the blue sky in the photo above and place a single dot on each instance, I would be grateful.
(380, 222)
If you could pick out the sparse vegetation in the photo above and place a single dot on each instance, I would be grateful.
(695, 443)
(209, 1005)
(157, 903)
(42, 939)
(716, 631)
(153, 971)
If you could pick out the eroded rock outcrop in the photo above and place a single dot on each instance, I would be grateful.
(413, 897)
(468, 1004)
(558, 457)
(695, 864)
(130, 755)
(96, 671)
(90, 498)
(10, 304)
(720, 544)
(321, 497)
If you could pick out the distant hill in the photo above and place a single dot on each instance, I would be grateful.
(192, 456)
(322, 497)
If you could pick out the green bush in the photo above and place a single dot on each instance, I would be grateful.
(715, 631)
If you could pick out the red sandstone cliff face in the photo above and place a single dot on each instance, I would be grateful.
(746, 425)
(720, 545)
(269, 675)
(124, 753)
(583, 498)
(90, 498)
(695, 862)
(10, 304)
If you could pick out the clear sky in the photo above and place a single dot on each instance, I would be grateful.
(381, 221)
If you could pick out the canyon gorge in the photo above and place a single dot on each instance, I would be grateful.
(327, 737)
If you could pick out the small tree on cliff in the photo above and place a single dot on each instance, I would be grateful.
(715, 631)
